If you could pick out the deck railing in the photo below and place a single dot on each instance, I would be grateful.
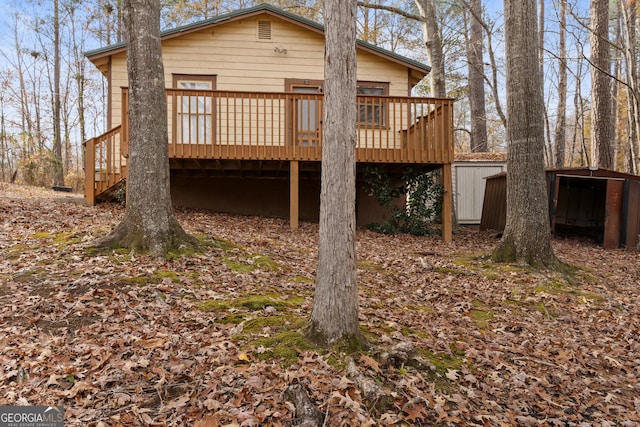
(205, 124)
(105, 164)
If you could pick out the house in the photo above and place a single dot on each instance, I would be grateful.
(597, 203)
(245, 102)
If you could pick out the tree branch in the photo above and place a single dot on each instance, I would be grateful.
(392, 9)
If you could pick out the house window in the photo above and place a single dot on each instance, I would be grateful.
(372, 111)
(194, 112)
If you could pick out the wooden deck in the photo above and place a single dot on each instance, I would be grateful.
(261, 126)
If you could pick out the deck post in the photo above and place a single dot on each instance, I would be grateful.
(294, 187)
(90, 171)
(447, 203)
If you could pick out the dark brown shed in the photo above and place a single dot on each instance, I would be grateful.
(600, 203)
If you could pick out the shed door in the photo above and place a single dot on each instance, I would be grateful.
(633, 214)
(613, 214)
(469, 190)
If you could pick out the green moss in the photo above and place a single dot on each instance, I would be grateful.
(16, 251)
(285, 346)
(481, 318)
(591, 298)
(552, 287)
(258, 324)
(30, 275)
(334, 361)
(449, 270)
(239, 267)
(223, 244)
(421, 308)
(483, 265)
(251, 263)
(411, 332)
(182, 251)
(42, 235)
(352, 344)
(274, 337)
(214, 305)
(233, 319)
(443, 362)
(302, 279)
(492, 276)
(137, 280)
(371, 266)
(163, 274)
(254, 302)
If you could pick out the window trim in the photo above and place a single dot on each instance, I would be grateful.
(384, 117)
(176, 78)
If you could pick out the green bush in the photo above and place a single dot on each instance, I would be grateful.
(424, 199)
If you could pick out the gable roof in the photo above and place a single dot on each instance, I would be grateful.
(257, 10)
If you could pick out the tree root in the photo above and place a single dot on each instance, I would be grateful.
(306, 414)
(404, 354)
(371, 391)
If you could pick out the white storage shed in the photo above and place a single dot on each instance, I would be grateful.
(469, 173)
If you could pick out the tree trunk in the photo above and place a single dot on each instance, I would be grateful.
(561, 117)
(149, 223)
(475, 56)
(601, 125)
(335, 303)
(493, 82)
(58, 175)
(629, 18)
(433, 42)
(526, 236)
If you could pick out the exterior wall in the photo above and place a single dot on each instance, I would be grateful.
(469, 186)
(241, 62)
(264, 197)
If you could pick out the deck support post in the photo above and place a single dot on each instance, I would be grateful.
(294, 188)
(90, 171)
(447, 203)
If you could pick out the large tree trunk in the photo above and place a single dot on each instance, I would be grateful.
(335, 303)
(601, 125)
(433, 42)
(526, 236)
(561, 117)
(149, 223)
(475, 57)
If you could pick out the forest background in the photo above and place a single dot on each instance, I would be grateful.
(42, 43)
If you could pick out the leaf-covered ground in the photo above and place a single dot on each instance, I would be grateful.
(212, 338)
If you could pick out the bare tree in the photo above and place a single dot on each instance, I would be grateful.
(601, 119)
(561, 116)
(433, 42)
(58, 175)
(526, 237)
(475, 58)
(335, 303)
(149, 223)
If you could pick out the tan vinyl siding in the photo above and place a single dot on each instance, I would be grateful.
(241, 63)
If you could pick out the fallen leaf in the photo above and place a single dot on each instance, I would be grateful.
(370, 362)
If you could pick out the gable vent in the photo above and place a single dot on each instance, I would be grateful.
(264, 30)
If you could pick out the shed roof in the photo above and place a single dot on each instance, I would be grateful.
(586, 172)
(263, 8)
